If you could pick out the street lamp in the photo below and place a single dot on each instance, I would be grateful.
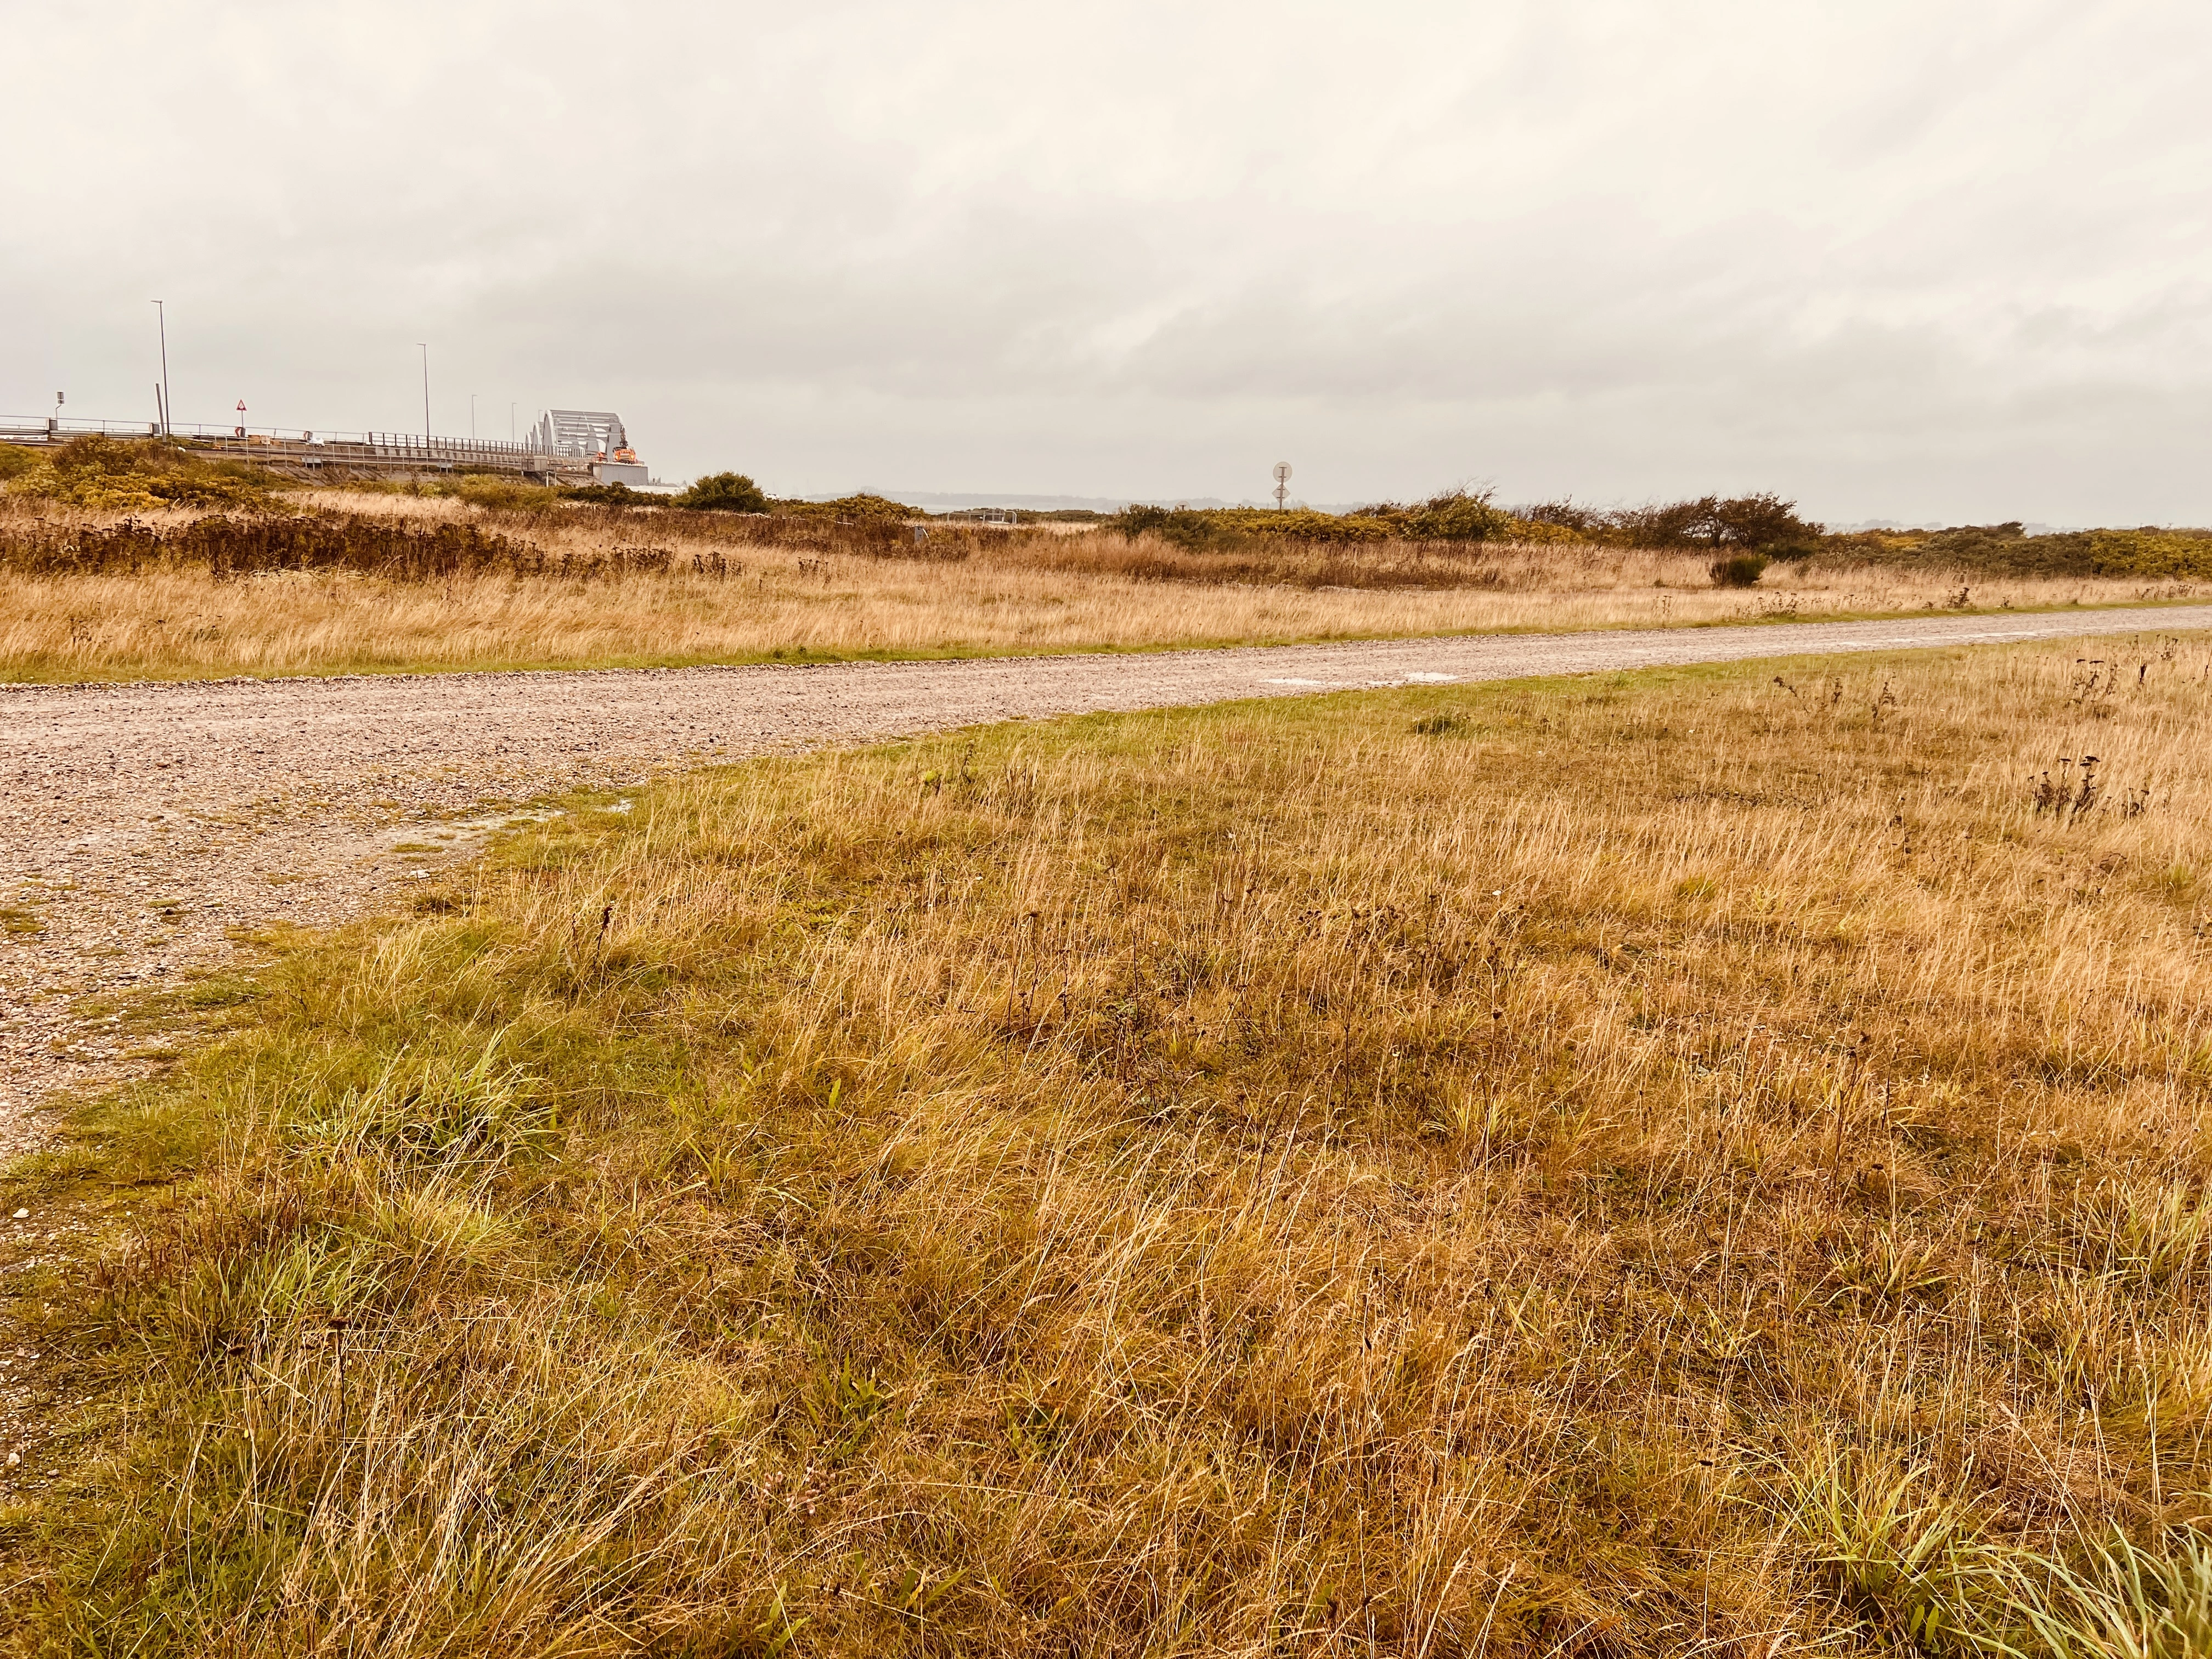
(426, 389)
(161, 316)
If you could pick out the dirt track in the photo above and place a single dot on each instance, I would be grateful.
(142, 825)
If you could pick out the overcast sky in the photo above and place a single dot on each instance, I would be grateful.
(1928, 260)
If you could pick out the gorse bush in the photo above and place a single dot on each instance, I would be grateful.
(1457, 516)
(1750, 523)
(724, 492)
(141, 475)
(499, 492)
(606, 494)
(849, 510)
(2006, 549)
(1226, 528)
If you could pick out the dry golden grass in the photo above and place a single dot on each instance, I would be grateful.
(1701, 1163)
(1030, 591)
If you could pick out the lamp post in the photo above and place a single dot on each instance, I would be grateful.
(162, 317)
(425, 391)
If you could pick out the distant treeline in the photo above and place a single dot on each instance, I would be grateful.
(1741, 533)
(1764, 523)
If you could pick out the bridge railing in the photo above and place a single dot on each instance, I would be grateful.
(300, 443)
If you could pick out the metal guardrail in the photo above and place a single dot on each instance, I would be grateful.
(34, 428)
(31, 428)
(297, 446)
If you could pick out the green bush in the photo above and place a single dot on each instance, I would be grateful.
(851, 509)
(15, 460)
(500, 491)
(2150, 553)
(724, 492)
(1189, 528)
(608, 495)
(140, 474)
(1763, 522)
(1739, 570)
(1457, 516)
(1222, 529)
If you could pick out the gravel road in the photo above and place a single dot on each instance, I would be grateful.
(142, 825)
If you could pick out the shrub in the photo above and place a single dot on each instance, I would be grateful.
(140, 475)
(846, 509)
(15, 460)
(1763, 522)
(1457, 516)
(725, 492)
(2006, 549)
(501, 492)
(1565, 514)
(608, 494)
(1226, 529)
(1539, 532)
(1454, 517)
(2164, 553)
(1183, 526)
(1739, 570)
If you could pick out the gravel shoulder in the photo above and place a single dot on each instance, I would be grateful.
(145, 829)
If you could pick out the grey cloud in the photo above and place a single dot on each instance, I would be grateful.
(1899, 261)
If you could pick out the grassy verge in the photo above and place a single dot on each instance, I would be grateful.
(1696, 1162)
(1311, 625)
(59, 670)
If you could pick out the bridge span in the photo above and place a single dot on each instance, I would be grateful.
(569, 447)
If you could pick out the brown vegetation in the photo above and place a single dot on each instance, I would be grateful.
(1702, 1162)
(1758, 523)
(355, 582)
